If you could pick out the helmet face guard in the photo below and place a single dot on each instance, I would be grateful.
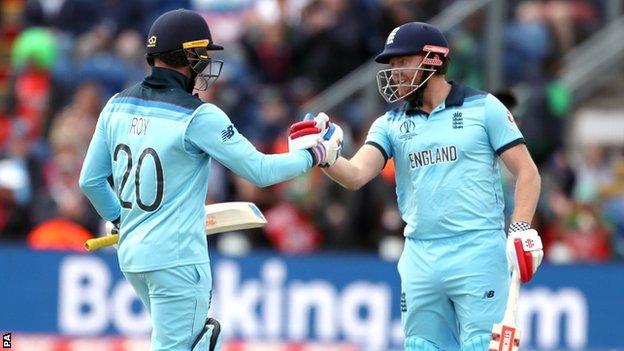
(204, 69)
(389, 81)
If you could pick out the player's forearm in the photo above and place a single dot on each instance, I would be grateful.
(528, 185)
(345, 173)
(96, 168)
(265, 170)
(101, 195)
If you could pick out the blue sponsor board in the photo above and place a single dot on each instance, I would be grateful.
(326, 297)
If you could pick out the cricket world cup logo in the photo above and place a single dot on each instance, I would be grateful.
(407, 128)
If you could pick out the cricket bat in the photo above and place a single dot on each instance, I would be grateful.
(506, 336)
(220, 217)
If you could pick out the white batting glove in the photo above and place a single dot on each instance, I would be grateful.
(111, 228)
(318, 135)
(524, 250)
(307, 133)
(332, 142)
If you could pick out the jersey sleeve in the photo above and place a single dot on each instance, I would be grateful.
(96, 168)
(378, 137)
(502, 131)
(212, 132)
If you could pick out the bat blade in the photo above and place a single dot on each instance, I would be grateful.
(230, 216)
(505, 335)
(505, 338)
(220, 217)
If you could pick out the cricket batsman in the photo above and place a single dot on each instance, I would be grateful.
(446, 140)
(156, 140)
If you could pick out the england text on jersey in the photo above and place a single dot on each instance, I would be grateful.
(432, 157)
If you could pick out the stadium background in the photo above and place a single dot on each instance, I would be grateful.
(317, 277)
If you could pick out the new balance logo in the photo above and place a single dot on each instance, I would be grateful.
(488, 294)
(227, 133)
(458, 120)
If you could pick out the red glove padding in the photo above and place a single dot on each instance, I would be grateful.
(307, 133)
(320, 137)
(303, 128)
(524, 253)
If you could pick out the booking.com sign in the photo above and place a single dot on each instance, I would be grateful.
(277, 302)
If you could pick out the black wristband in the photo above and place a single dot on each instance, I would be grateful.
(318, 154)
(116, 222)
(314, 160)
(519, 227)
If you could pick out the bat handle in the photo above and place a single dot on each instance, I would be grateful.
(512, 300)
(98, 243)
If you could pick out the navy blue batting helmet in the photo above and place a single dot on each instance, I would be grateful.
(177, 30)
(185, 35)
(411, 39)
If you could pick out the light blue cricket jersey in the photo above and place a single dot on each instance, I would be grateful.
(447, 176)
(156, 141)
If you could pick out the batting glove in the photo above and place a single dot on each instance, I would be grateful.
(322, 138)
(524, 250)
(112, 227)
(307, 133)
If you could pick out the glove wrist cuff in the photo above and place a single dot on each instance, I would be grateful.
(519, 226)
(318, 154)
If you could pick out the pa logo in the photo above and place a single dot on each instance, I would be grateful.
(6, 341)
(407, 127)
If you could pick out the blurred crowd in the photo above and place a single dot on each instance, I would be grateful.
(65, 58)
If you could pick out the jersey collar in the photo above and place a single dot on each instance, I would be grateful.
(454, 98)
(164, 78)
